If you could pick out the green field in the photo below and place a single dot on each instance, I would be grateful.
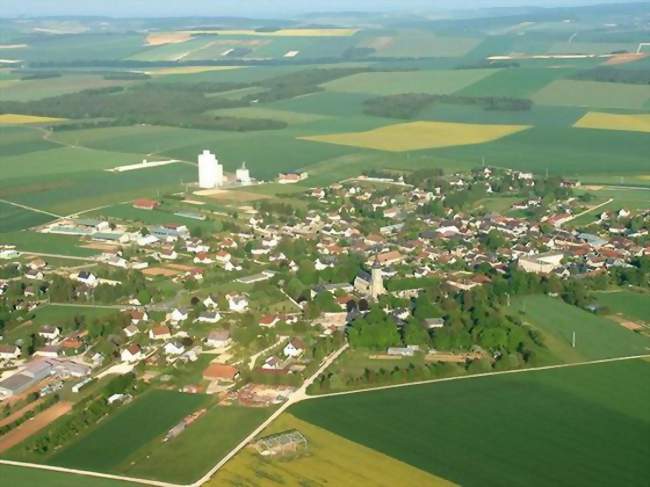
(593, 94)
(417, 43)
(131, 427)
(13, 218)
(596, 337)
(390, 83)
(11, 475)
(26, 241)
(201, 446)
(632, 305)
(556, 427)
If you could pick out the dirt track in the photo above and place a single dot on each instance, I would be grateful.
(39, 422)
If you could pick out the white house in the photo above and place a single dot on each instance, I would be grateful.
(50, 332)
(133, 353)
(8, 352)
(85, 277)
(209, 317)
(237, 303)
(294, 348)
(218, 339)
(177, 315)
(174, 348)
(159, 333)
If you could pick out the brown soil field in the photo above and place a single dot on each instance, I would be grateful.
(628, 57)
(159, 271)
(17, 414)
(180, 267)
(232, 196)
(630, 325)
(104, 247)
(34, 425)
(161, 38)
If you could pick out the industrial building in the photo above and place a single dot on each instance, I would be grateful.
(210, 171)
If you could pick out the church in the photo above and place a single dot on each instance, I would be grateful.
(370, 284)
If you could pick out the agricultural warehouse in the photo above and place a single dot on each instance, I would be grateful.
(285, 443)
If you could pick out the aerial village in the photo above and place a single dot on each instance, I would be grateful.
(248, 309)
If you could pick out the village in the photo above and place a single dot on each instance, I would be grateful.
(249, 313)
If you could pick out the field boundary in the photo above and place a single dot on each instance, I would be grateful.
(300, 396)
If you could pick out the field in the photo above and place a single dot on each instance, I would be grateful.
(632, 305)
(13, 119)
(27, 241)
(307, 32)
(33, 426)
(420, 135)
(613, 121)
(593, 94)
(596, 337)
(132, 427)
(528, 429)
(439, 82)
(201, 446)
(30, 476)
(414, 43)
(13, 218)
(331, 460)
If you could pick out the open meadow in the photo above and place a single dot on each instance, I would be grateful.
(596, 337)
(528, 429)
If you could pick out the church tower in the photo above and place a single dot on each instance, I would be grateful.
(376, 281)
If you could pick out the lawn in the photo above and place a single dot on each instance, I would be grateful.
(391, 83)
(615, 121)
(596, 337)
(632, 305)
(113, 440)
(200, 447)
(556, 427)
(332, 460)
(593, 94)
(420, 135)
(11, 475)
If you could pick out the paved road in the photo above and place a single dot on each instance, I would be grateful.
(301, 395)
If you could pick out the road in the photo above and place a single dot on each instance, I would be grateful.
(588, 210)
(25, 207)
(301, 395)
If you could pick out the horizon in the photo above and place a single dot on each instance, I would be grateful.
(266, 8)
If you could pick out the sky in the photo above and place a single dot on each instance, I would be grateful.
(250, 8)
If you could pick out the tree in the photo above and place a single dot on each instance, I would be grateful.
(416, 334)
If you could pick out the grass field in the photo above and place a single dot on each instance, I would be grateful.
(201, 446)
(132, 427)
(24, 90)
(188, 70)
(390, 83)
(420, 135)
(563, 427)
(596, 337)
(331, 460)
(614, 121)
(593, 94)
(26, 241)
(632, 305)
(13, 119)
(11, 475)
(520, 83)
(13, 218)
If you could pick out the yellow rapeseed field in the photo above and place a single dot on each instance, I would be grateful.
(614, 121)
(420, 135)
(330, 460)
(15, 119)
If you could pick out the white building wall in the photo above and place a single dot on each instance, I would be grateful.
(208, 172)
